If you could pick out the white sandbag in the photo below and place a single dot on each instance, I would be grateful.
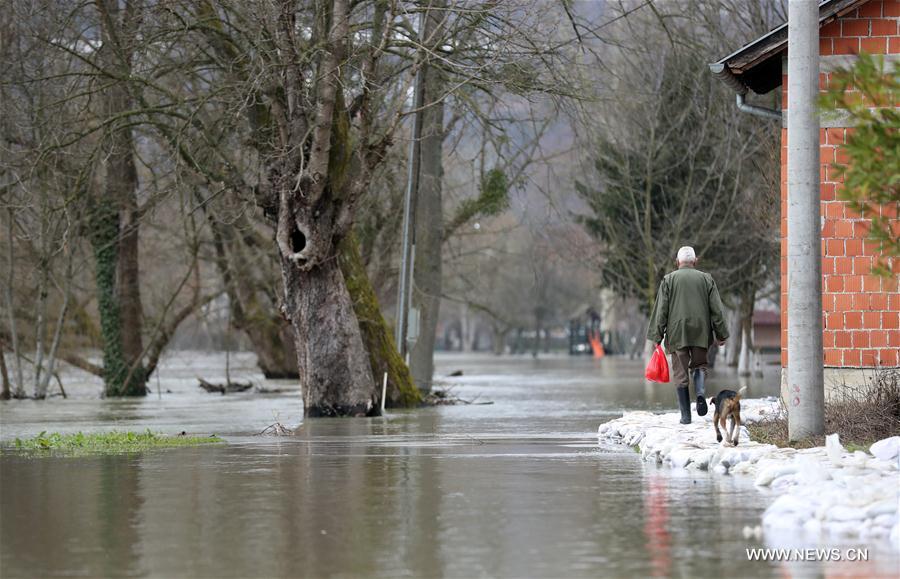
(842, 513)
(883, 507)
(887, 448)
(680, 457)
(834, 449)
(769, 474)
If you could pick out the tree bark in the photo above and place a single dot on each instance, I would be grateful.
(427, 285)
(123, 174)
(6, 393)
(335, 373)
(376, 335)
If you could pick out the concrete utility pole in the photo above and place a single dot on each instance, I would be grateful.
(404, 292)
(805, 381)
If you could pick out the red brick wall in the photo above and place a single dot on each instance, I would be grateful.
(861, 311)
(871, 28)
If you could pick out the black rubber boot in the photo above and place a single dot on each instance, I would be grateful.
(700, 392)
(684, 403)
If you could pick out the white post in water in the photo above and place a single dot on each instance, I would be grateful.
(806, 390)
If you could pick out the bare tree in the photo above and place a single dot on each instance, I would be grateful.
(674, 164)
(77, 86)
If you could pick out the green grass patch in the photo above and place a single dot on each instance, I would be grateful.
(78, 444)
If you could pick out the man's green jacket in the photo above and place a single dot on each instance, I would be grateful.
(688, 310)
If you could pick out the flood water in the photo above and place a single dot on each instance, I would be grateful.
(517, 488)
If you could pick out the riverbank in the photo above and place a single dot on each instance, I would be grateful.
(824, 490)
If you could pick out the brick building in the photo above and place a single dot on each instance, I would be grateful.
(861, 311)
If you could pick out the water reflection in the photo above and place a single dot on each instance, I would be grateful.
(77, 517)
(656, 526)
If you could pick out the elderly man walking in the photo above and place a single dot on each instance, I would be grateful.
(688, 313)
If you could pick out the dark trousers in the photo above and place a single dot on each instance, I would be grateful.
(684, 361)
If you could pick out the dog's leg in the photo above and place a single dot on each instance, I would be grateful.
(716, 425)
(736, 425)
(725, 428)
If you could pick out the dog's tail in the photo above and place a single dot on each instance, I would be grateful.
(740, 393)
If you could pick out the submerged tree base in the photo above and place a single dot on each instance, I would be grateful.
(79, 444)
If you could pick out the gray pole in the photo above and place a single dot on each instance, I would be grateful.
(412, 186)
(806, 391)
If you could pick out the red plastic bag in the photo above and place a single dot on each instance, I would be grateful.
(658, 368)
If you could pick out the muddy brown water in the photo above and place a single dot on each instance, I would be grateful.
(518, 488)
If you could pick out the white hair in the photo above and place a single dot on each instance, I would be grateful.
(686, 255)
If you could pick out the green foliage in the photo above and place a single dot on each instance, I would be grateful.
(868, 93)
(80, 444)
(494, 197)
(492, 200)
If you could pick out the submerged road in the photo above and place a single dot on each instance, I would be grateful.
(518, 488)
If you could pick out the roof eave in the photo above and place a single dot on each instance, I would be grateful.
(736, 68)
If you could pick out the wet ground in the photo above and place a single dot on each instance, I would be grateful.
(518, 488)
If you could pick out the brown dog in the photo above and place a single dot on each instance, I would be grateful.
(728, 403)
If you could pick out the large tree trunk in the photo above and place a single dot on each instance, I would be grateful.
(315, 211)
(128, 283)
(376, 335)
(115, 223)
(104, 225)
(429, 227)
(335, 373)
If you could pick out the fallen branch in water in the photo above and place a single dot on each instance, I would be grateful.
(264, 390)
(446, 398)
(276, 429)
(227, 388)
